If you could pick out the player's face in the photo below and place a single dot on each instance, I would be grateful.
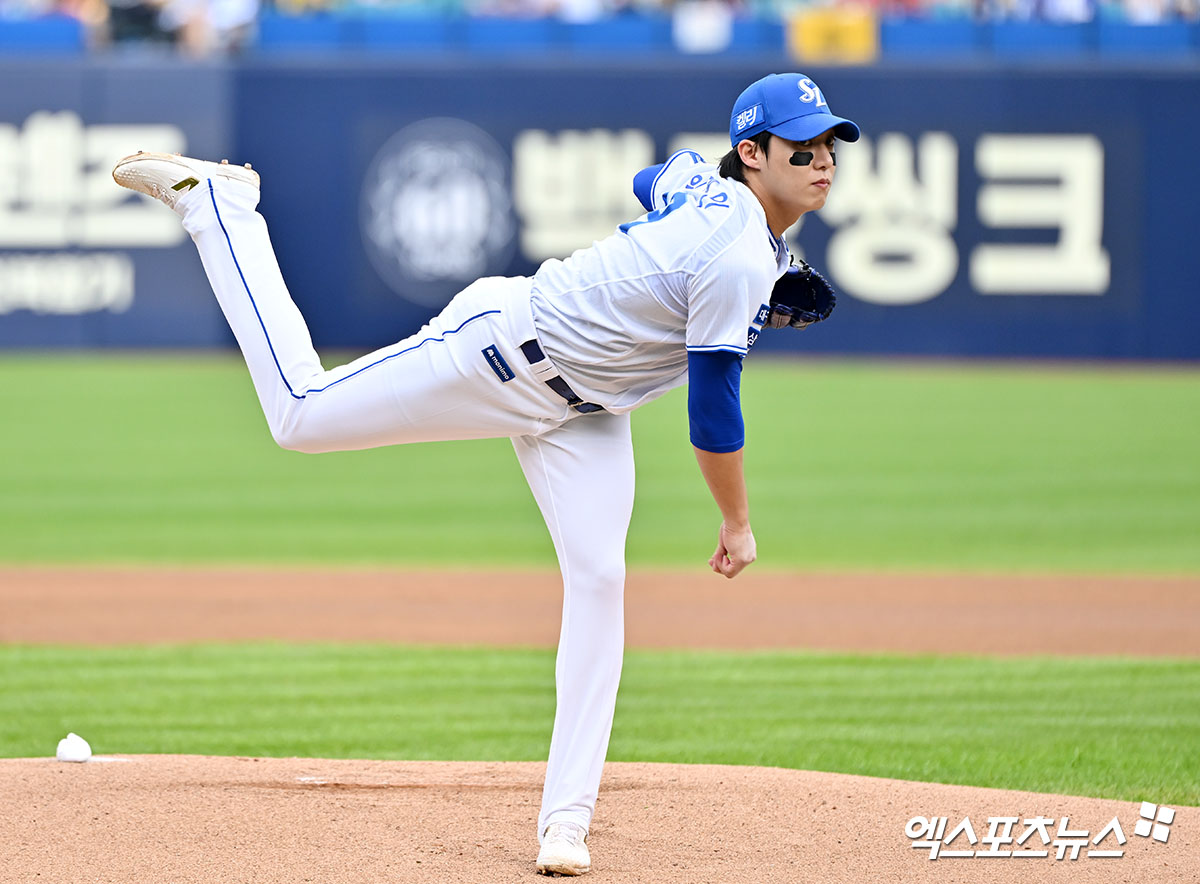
(789, 190)
(807, 185)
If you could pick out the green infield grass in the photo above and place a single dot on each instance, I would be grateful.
(1105, 727)
(166, 459)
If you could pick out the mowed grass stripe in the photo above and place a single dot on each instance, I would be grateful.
(1117, 728)
(161, 459)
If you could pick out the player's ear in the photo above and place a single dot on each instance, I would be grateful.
(750, 153)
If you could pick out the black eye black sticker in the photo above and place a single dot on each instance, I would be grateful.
(805, 157)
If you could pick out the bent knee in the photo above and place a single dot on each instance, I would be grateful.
(290, 438)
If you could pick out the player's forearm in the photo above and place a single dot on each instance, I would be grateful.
(727, 482)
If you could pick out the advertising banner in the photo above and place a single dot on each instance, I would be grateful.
(84, 263)
(1016, 212)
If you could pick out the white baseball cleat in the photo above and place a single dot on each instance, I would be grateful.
(166, 176)
(564, 851)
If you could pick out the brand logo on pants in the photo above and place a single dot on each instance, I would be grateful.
(496, 361)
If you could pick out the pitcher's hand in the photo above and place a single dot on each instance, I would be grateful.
(735, 550)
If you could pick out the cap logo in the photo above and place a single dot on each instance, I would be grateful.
(810, 92)
(747, 117)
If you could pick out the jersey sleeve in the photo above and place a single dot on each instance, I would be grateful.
(725, 300)
(671, 177)
(643, 182)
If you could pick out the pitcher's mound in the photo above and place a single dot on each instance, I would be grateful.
(178, 819)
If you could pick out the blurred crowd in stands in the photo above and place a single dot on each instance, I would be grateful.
(202, 27)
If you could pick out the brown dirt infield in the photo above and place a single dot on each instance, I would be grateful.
(178, 819)
(939, 613)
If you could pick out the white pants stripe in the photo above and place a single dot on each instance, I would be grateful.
(438, 385)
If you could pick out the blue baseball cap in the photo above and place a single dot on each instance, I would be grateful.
(788, 105)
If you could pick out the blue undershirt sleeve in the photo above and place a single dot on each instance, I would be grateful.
(643, 181)
(714, 404)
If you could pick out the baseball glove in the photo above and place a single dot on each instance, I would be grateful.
(800, 298)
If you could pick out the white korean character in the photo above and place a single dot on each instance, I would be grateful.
(1037, 824)
(1066, 839)
(43, 164)
(1113, 828)
(575, 187)
(926, 833)
(894, 243)
(964, 826)
(56, 186)
(999, 833)
(1016, 195)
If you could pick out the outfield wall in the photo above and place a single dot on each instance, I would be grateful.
(1028, 211)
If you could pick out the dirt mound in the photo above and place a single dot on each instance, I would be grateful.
(154, 819)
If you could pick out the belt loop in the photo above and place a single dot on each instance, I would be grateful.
(543, 368)
(545, 371)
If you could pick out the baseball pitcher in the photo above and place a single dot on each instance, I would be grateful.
(556, 362)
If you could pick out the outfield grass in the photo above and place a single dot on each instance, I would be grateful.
(161, 459)
(1103, 727)
(157, 459)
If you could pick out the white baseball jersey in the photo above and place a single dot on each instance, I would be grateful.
(618, 318)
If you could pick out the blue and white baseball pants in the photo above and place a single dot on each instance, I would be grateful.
(439, 384)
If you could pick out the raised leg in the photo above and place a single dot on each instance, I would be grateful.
(433, 385)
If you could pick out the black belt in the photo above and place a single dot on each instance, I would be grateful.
(533, 352)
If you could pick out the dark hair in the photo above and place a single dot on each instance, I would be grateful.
(732, 165)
